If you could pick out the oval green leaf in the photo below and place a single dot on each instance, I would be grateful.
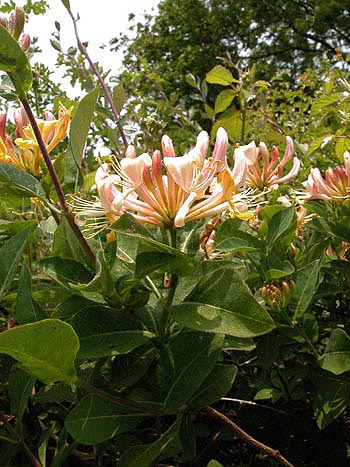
(46, 349)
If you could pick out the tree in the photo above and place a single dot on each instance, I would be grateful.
(188, 36)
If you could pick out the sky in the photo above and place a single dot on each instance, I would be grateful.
(100, 20)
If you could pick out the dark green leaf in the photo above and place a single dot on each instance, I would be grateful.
(235, 312)
(15, 63)
(11, 253)
(27, 310)
(186, 361)
(305, 288)
(103, 332)
(21, 183)
(66, 272)
(336, 357)
(46, 349)
(217, 384)
(144, 456)
(94, 420)
(20, 388)
(155, 256)
(281, 224)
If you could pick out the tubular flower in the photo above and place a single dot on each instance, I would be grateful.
(265, 172)
(186, 190)
(98, 214)
(335, 186)
(27, 156)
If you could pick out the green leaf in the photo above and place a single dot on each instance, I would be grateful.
(332, 397)
(27, 310)
(224, 100)
(230, 239)
(21, 183)
(186, 361)
(15, 63)
(217, 384)
(103, 331)
(232, 122)
(305, 288)
(11, 253)
(342, 145)
(20, 388)
(336, 357)
(66, 272)
(46, 349)
(80, 125)
(267, 350)
(155, 256)
(67, 246)
(235, 312)
(322, 102)
(119, 97)
(214, 463)
(146, 455)
(280, 225)
(220, 75)
(94, 420)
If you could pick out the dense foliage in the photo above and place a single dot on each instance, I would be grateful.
(189, 306)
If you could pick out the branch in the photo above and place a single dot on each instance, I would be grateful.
(13, 433)
(275, 454)
(95, 70)
(55, 181)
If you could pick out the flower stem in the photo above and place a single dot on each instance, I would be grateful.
(96, 72)
(173, 281)
(56, 182)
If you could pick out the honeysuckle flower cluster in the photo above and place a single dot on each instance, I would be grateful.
(334, 186)
(169, 191)
(264, 171)
(24, 153)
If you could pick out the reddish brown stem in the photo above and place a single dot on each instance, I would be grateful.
(14, 435)
(275, 454)
(56, 182)
(96, 72)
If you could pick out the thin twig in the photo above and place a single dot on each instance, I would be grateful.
(13, 433)
(95, 70)
(262, 406)
(116, 399)
(55, 181)
(275, 454)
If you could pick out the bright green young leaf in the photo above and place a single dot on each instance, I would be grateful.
(336, 357)
(305, 288)
(217, 384)
(21, 183)
(232, 122)
(146, 455)
(119, 96)
(186, 361)
(324, 102)
(214, 463)
(220, 75)
(20, 388)
(80, 125)
(224, 100)
(27, 310)
(15, 63)
(234, 312)
(11, 254)
(46, 349)
(94, 420)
